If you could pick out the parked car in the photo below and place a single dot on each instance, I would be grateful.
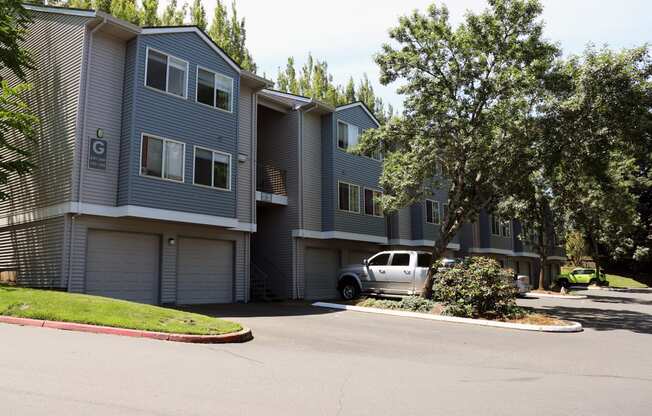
(522, 283)
(581, 276)
(387, 273)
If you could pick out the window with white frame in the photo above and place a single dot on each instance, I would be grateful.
(215, 90)
(166, 73)
(506, 228)
(162, 158)
(372, 203)
(495, 225)
(433, 215)
(347, 135)
(349, 197)
(501, 227)
(212, 169)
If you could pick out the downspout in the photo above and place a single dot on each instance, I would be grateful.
(78, 210)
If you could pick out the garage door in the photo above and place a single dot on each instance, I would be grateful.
(356, 257)
(205, 271)
(321, 266)
(123, 265)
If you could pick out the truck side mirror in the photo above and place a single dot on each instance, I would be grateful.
(365, 262)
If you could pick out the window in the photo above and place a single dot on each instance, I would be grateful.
(347, 135)
(212, 169)
(215, 90)
(349, 197)
(401, 259)
(379, 260)
(501, 227)
(445, 210)
(372, 203)
(166, 73)
(162, 158)
(424, 260)
(432, 212)
(439, 169)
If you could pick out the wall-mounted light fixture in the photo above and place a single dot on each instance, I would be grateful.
(172, 241)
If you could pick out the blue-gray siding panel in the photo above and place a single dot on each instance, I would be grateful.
(186, 121)
(124, 171)
(328, 186)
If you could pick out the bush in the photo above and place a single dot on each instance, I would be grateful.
(477, 287)
(410, 303)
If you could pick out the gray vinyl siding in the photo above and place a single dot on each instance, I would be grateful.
(166, 230)
(328, 192)
(312, 172)
(35, 252)
(183, 120)
(103, 111)
(358, 170)
(127, 128)
(246, 169)
(56, 42)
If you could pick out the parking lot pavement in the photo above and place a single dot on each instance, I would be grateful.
(314, 361)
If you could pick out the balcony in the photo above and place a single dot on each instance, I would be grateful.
(271, 184)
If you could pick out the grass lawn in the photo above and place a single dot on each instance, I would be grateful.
(85, 309)
(624, 282)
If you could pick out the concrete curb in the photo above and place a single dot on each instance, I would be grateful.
(613, 289)
(548, 295)
(574, 327)
(240, 336)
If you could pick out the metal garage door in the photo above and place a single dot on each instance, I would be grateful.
(204, 271)
(123, 265)
(321, 266)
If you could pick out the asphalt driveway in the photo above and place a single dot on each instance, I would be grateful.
(310, 361)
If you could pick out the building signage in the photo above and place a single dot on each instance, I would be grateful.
(97, 155)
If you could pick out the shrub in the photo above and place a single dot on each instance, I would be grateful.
(477, 287)
(410, 303)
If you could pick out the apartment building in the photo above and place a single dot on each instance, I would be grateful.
(167, 174)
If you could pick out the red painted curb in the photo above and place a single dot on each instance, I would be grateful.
(240, 336)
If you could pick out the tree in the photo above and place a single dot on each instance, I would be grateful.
(349, 91)
(125, 10)
(198, 15)
(230, 34)
(173, 15)
(602, 122)
(467, 93)
(17, 124)
(287, 79)
(575, 247)
(149, 13)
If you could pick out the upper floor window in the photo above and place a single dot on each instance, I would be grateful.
(166, 73)
(215, 90)
(349, 197)
(433, 216)
(347, 135)
(501, 227)
(372, 203)
(212, 169)
(162, 158)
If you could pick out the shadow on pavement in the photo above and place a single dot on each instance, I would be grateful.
(619, 299)
(262, 309)
(603, 319)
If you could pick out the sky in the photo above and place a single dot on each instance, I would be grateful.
(347, 33)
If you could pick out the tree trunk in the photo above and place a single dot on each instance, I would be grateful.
(437, 253)
(542, 272)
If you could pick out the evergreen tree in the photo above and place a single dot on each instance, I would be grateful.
(149, 13)
(198, 15)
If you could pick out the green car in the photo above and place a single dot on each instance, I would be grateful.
(582, 277)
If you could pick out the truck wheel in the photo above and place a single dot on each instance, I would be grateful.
(349, 290)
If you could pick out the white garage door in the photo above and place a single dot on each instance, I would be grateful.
(205, 271)
(321, 266)
(123, 265)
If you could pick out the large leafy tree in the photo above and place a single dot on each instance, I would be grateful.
(602, 123)
(174, 15)
(149, 13)
(17, 124)
(468, 91)
(198, 15)
(229, 33)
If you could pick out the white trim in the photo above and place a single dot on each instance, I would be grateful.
(364, 107)
(338, 235)
(167, 73)
(506, 252)
(124, 211)
(216, 74)
(201, 34)
(364, 201)
(421, 243)
(338, 198)
(271, 198)
(70, 12)
(212, 186)
(425, 211)
(183, 159)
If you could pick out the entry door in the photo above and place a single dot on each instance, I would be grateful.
(400, 276)
(377, 272)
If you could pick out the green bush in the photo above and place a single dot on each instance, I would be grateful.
(410, 303)
(477, 287)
